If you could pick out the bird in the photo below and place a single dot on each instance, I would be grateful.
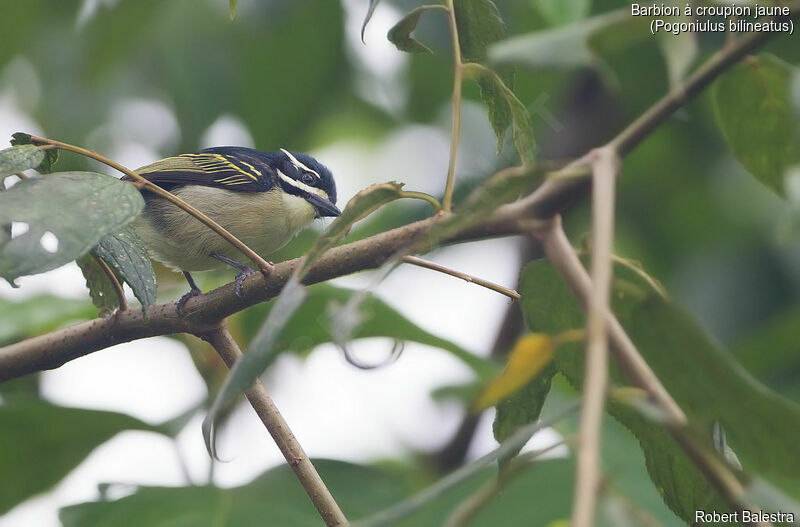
(262, 198)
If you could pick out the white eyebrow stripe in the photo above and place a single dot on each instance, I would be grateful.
(297, 163)
(301, 185)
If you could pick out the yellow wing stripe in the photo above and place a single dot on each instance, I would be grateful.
(219, 163)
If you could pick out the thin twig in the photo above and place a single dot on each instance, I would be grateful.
(587, 482)
(455, 134)
(510, 293)
(143, 183)
(410, 505)
(118, 290)
(228, 350)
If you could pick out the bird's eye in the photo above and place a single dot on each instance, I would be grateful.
(309, 179)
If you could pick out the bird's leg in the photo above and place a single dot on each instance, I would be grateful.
(244, 271)
(194, 291)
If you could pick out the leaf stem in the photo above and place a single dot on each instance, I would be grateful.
(121, 300)
(458, 75)
(227, 348)
(510, 293)
(143, 183)
(437, 207)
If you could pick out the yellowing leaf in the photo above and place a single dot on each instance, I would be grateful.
(530, 354)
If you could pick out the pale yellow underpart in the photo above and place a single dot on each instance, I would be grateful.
(265, 221)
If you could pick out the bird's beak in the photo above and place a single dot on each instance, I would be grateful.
(323, 206)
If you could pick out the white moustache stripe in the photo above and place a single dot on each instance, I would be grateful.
(300, 184)
(297, 163)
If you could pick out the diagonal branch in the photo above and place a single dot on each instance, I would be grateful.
(566, 262)
(227, 348)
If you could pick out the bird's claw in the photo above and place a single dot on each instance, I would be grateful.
(244, 273)
(182, 300)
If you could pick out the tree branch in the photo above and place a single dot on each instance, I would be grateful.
(605, 166)
(227, 348)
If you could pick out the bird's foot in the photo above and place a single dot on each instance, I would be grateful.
(244, 271)
(194, 291)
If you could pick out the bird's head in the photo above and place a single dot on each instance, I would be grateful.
(302, 175)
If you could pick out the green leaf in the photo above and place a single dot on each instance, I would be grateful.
(253, 363)
(562, 12)
(125, 253)
(400, 34)
(47, 442)
(378, 320)
(522, 407)
(40, 314)
(521, 126)
(101, 289)
(78, 208)
(232, 8)
(274, 498)
(574, 45)
(49, 157)
(19, 158)
(360, 206)
(370, 11)
(703, 379)
(479, 25)
(753, 106)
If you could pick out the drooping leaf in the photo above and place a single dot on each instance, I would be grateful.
(19, 158)
(125, 253)
(523, 406)
(253, 363)
(232, 8)
(359, 206)
(705, 381)
(47, 442)
(77, 208)
(378, 320)
(479, 25)
(529, 357)
(101, 289)
(520, 120)
(370, 11)
(753, 106)
(400, 33)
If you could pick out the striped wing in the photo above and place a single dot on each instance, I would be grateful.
(209, 169)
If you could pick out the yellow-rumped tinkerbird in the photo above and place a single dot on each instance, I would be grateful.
(262, 198)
